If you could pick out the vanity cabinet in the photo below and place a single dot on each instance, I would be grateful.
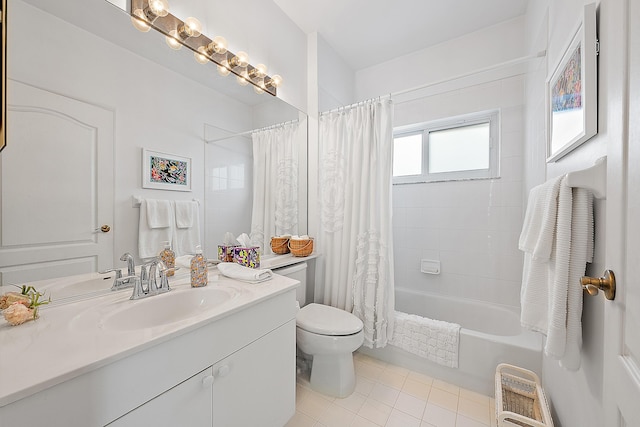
(238, 370)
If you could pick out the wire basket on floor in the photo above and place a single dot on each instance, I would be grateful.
(520, 399)
(301, 247)
(280, 245)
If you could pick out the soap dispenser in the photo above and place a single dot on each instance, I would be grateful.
(168, 258)
(199, 274)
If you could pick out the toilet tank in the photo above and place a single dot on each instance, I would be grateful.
(297, 272)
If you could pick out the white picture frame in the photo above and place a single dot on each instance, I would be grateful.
(162, 171)
(572, 91)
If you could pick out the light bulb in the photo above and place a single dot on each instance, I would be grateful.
(158, 8)
(259, 71)
(138, 20)
(240, 60)
(219, 45)
(172, 40)
(275, 81)
(243, 78)
(201, 55)
(191, 28)
(260, 88)
(223, 68)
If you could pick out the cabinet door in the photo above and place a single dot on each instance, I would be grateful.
(256, 385)
(187, 404)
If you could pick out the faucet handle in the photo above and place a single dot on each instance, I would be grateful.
(138, 291)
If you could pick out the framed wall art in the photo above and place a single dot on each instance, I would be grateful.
(162, 171)
(572, 91)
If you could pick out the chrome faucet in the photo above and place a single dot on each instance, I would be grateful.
(147, 285)
(131, 265)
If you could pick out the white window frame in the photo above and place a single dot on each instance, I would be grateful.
(492, 117)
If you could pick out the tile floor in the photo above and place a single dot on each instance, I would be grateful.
(390, 396)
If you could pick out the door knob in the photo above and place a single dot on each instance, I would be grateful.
(607, 284)
(105, 229)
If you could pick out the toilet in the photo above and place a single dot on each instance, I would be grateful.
(329, 336)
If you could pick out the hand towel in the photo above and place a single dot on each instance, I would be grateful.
(537, 241)
(184, 213)
(150, 239)
(551, 295)
(244, 274)
(185, 240)
(159, 213)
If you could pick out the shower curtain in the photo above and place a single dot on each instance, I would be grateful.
(356, 157)
(275, 183)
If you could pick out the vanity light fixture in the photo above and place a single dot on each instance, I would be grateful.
(147, 14)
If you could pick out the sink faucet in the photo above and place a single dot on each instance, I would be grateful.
(131, 265)
(147, 285)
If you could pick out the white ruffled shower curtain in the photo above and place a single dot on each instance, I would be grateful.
(356, 158)
(275, 183)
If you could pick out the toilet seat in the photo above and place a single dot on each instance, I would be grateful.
(326, 320)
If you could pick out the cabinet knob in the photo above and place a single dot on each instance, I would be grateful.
(223, 371)
(208, 381)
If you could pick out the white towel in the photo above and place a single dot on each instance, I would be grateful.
(434, 340)
(159, 213)
(557, 280)
(244, 274)
(537, 240)
(184, 213)
(150, 240)
(185, 239)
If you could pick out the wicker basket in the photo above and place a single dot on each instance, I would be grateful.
(280, 245)
(301, 247)
(520, 399)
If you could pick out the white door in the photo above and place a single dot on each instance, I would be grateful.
(622, 316)
(56, 181)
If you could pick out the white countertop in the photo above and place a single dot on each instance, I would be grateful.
(68, 339)
(277, 261)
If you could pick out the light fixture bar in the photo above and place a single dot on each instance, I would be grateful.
(168, 23)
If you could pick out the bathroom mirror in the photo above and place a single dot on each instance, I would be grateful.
(74, 63)
(3, 71)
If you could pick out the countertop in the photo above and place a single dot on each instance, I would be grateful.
(69, 339)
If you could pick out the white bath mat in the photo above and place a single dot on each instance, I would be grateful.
(435, 340)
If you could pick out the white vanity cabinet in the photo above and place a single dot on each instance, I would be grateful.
(187, 404)
(238, 370)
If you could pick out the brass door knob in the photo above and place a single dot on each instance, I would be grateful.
(105, 228)
(607, 284)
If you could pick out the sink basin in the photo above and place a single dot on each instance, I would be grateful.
(154, 311)
(70, 289)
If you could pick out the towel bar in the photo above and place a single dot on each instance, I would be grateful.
(136, 200)
(593, 178)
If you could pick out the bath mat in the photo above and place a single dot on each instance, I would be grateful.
(434, 340)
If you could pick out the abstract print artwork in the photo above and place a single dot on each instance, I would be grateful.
(165, 171)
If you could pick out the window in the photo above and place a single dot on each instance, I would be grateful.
(457, 148)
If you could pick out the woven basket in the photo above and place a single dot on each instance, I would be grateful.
(520, 399)
(301, 247)
(280, 245)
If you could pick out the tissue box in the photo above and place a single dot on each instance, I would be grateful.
(249, 257)
(225, 252)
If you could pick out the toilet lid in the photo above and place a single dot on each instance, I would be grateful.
(326, 320)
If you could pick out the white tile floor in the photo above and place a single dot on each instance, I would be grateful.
(390, 396)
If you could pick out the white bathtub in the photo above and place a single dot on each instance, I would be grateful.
(490, 335)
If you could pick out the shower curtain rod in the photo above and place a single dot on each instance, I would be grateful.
(249, 132)
(355, 104)
(509, 63)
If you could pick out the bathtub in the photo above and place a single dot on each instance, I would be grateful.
(489, 335)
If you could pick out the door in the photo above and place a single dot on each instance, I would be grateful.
(622, 316)
(187, 404)
(56, 183)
